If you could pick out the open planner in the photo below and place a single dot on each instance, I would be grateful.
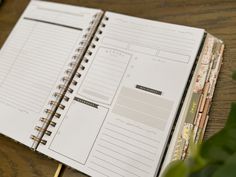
(107, 94)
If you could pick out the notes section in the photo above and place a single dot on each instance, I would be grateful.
(79, 129)
(143, 107)
(131, 141)
(32, 61)
(104, 75)
(124, 149)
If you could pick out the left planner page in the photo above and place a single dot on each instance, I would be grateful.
(33, 61)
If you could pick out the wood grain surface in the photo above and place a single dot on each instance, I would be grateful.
(216, 16)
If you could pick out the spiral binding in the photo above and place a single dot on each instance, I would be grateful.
(64, 89)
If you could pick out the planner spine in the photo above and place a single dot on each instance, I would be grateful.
(87, 55)
(72, 74)
(89, 52)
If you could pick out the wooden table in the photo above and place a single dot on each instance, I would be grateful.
(216, 16)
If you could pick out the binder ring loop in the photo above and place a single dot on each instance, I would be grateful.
(44, 142)
(44, 120)
(54, 103)
(40, 129)
(49, 111)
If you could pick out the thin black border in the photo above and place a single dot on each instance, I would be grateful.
(122, 78)
(93, 142)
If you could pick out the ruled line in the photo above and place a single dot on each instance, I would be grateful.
(31, 64)
(155, 147)
(133, 132)
(124, 148)
(129, 144)
(98, 171)
(121, 161)
(124, 155)
(53, 23)
(110, 163)
(106, 168)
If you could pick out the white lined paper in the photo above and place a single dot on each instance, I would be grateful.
(37, 65)
(33, 61)
(128, 151)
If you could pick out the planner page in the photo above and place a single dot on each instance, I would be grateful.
(33, 60)
(119, 117)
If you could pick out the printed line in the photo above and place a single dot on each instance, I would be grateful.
(116, 145)
(133, 132)
(107, 148)
(100, 84)
(105, 58)
(52, 23)
(107, 74)
(105, 168)
(18, 104)
(60, 11)
(154, 30)
(90, 84)
(110, 163)
(122, 161)
(151, 35)
(129, 144)
(155, 147)
(98, 171)
(148, 44)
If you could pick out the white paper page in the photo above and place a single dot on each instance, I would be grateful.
(33, 61)
(137, 71)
